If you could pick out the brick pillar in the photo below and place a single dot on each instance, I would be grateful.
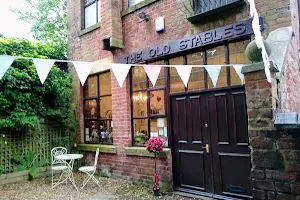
(121, 114)
(261, 102)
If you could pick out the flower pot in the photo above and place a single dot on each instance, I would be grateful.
(156, 192)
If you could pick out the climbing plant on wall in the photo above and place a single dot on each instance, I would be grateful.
(24, 101)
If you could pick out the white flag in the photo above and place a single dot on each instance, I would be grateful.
(83, 69)
(238, 69)
(213, 72)
(184, 71)
(120, 71)
(152, 72)
(5, 63)
(43, 67)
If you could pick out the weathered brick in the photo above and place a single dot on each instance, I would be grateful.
(282, 187)
(285, 197)
(257, 173)
(263, 185)
(295, 188)
(259, 194)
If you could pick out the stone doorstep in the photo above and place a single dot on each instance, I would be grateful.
(192, 196)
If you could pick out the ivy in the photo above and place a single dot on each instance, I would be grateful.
(24, 101)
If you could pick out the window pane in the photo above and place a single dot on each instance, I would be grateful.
(105, 107)
(91, 87)
(90, 109)
(222, 80)
(234, 77)
(176, 84)
(138, 78)
(158, 128)
(106, 135)
(105, 83)
(140, 131)
(133, 2)
(157, 102)
(161, 78)
(237, 53)
(196, 81)
(216, 56)
(91, 131)
(90, 15)
(139, 104)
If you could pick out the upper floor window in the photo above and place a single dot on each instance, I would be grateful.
(91, 12)
(133, 2)
(98, 109)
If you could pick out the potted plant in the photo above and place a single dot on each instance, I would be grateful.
(155, 145)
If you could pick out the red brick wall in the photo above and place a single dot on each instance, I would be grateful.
(137, 36)
(289, 93)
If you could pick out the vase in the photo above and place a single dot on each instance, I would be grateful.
(156, 192)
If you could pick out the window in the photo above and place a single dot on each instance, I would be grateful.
(148, 106)
(91, 12)
(199, 78)
(133, 2)
(98, 109)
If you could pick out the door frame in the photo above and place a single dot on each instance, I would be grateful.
(170, 137)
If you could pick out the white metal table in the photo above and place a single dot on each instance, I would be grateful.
(71, 158)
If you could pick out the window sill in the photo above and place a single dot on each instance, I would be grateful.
(89, 29)
(141, 151)
(135, 7)
(102, 148)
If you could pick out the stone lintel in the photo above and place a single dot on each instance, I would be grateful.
(102, 148)
(286, 118)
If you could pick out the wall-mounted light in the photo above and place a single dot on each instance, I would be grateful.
(143, 16)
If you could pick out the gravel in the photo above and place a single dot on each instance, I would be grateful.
(110, 189)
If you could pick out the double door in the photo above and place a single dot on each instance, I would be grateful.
(210, 149)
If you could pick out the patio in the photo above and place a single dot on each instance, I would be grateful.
(110, 189)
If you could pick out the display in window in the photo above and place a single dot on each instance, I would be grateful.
(91, 109)
(157, 102)
(91, 132)
(106, 131)
(158, 128)
(140, 131)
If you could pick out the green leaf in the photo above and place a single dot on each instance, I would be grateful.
(33, 171)
(19, 168)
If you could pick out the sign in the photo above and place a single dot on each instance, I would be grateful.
(221, 34)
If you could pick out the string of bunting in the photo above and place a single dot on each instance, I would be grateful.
(43, 67)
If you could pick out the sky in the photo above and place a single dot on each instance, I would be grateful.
(10, 25)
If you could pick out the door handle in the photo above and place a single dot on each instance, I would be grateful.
(206, 148)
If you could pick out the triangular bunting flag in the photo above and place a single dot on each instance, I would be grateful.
(120, 71)
(152, 72)
(184, 71)
(83, 69)
(213, 72)
(5, 63)
(43, 67)
(238, 69)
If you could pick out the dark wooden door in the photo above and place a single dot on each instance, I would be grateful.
(219, 120)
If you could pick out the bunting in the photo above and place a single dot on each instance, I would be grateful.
(43, 67)
(120, 71)
(184, 71)
(213, 72)
(83, 69)
(152, 72)
(5, 63)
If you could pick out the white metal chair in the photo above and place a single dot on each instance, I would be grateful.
(90, 171)
(59, 165)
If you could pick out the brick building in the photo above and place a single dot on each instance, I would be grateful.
(227, 140)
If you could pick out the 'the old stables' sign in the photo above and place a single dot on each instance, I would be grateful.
(217, 35)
